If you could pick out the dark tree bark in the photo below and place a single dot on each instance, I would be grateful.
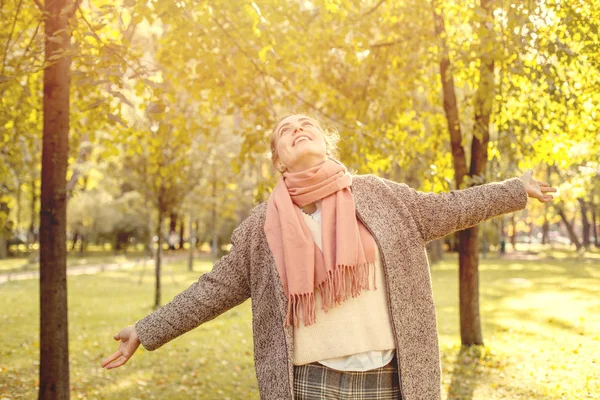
(546, 225)
(595, 226)
(470, 326)
(435, 250)
(569, 226)
(4, 230)
(214, 248)
(75, 239)
(172, 229)
(181, 230)
(54, 344)
(513, 236)
(19, 205)
(585, 223)
(545, 228)
(470, 320)
(158, 259)
(32, 237)
(502, 236)
(197, 232)
(192, 243)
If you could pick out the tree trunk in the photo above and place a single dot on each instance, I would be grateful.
(54, 343)
(470, 322)
(172, 230)
(435, 250)
(181, 231)
(468, 246)
(214, 247)
(75, 238)
(595, 225)
(502, 236)
(3, 246)
(450, 103)
(197, 232)
(192, 244)
(31, 238)
(585, 224)
(569, 227)
(513, 236)
(4, 230)
(158, 256)
(19, 205)
(150, 242)
(545, 227)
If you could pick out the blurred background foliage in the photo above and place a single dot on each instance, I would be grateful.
(172, 105)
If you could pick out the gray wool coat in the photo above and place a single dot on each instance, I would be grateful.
(402, 220)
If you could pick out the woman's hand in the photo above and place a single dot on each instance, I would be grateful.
(128, 346)
(537, 189)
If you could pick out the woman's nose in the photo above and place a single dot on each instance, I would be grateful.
(298, 128)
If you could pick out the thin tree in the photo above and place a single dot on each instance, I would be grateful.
(470, 324)
(54, 347)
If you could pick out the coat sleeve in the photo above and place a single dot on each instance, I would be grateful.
(438, 214)
(226, 286)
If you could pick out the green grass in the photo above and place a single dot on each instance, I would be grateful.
(22, 264)
(541, 326)
(93, 256)
(541, 321)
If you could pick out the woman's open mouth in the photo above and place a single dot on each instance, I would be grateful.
(300, 139)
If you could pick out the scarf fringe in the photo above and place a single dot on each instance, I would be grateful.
(343, 281)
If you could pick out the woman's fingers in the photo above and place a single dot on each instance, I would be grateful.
(111, 358)
(548, 189)
(117, 337)
(117, 363)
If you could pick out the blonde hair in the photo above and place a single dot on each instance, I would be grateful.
(330, 134)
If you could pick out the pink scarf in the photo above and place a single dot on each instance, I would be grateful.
(342, 267)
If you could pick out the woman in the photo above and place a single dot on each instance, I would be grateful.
(338, 274)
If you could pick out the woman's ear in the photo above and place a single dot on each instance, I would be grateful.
(280, 167)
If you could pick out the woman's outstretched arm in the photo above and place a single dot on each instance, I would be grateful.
(439, 214)
(227, 285)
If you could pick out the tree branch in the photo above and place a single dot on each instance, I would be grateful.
(12, 30)
(280, 81)
(30, 42)
(115, 52)
(372, 10)
(388, 44)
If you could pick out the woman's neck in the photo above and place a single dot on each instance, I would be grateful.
(310, 208)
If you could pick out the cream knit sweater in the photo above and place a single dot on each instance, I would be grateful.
(358, 325)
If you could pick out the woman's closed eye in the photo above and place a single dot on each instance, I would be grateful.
(284, 131)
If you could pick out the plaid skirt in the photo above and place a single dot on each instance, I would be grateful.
(316, 381)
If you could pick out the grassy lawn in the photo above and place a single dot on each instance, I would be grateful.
(541, 322)
(541, 327)
(93, 256)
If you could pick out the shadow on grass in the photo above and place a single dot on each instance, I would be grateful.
(521, 291)
(467, 372)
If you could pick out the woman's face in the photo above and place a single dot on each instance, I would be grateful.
(300, 143)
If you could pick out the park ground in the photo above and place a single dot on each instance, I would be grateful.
(540, 317)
